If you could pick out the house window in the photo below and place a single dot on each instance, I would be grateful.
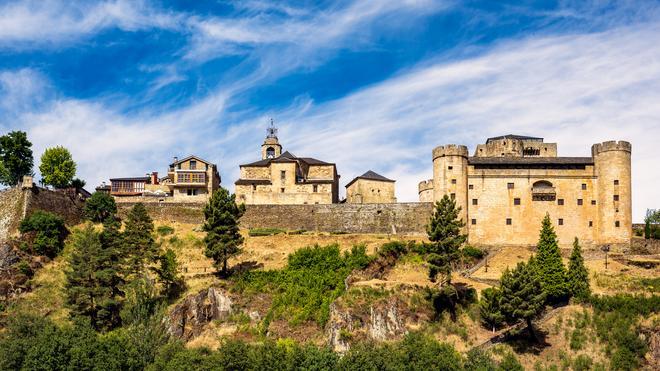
(584, 186)
(591, 223)
(616, 197)
(450, 167)
(593, 202)
(283, 175)
(560, 201)
(254, 187)
(560, 221)
(474, 201)
(453, 181)
(508, 221)
(616, 181)
(509, 185)
(474, 221)
(315, 188)
(281, 190)
(516, 201)
(192, 192)
(617, 224)
(579, 201)
(452, 196)
(193, 165)
(471, 186)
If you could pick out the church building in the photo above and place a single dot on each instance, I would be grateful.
(285, 179)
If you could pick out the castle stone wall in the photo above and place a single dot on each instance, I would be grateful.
(400, 218)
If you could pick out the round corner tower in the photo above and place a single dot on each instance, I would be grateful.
(613, 171)
(450, 175)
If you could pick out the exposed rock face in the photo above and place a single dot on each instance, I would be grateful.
(8, 256)
(189, 318)
(383, 322)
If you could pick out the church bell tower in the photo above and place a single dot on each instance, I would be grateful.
(271, 147)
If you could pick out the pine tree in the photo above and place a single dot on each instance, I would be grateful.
(93, 280)
(223, 239)
(490, 308)
(168, 273)
(578, 277)
(444, 230)
(139, 245)
(548, 264)
(522, 295)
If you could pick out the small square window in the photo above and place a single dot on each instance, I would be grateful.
(616, 181)
(584, 186)
(315, 188)
(471, 186)
(450, 167)
(452, 196)
(560, 201)
(516, 201)
(593, 202)
(474, 201)
(579, 202)
(591, 223)
(254, 187)
(617, 224)
(616, 197)
(281, 190)
(508, 221)
(509, 185)
(283, 174)
(453, 181)
(474, 221)
(560, 221)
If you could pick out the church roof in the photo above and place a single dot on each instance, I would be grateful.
(513, 136)
(370, 175)
(288, 157)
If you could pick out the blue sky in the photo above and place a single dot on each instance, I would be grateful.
(127, 85)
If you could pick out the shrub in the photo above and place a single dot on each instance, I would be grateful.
(99, 207)
(471, 252)
(24, 268)
(394, 249)
(259, 232)
(582, 363)
(510, 363)
(50, 232)
(479, 360)
(164, 230)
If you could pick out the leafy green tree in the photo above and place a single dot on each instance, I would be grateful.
(57, 167)
(479, 360)
(223, 239)
(510, 363)
(93, 280)
(50, 232)
(651, 219)
(522, 295)
(15, 157)
(78, 184)
(578, 277)
(444, 230)
(490, 308)
(139, 245)
(168, 273)
(548, 264)
(99, 207)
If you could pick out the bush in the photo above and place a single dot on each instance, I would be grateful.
(582, 363)
(99, 207)
(25, 268)
(471, 252)
(50, 232)
(259, 232)
(449, 297)
(164, 230)
(394, 249)
(479, 360)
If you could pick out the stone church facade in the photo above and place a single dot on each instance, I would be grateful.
(511, 182)
(285, 179)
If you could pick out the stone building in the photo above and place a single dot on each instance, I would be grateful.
(191, 179)
(283, 178)
(512, 181)
(370, 188)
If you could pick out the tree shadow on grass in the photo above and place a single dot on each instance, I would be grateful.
(522, 342)
(246, 266)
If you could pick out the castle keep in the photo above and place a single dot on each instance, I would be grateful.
(511, 182)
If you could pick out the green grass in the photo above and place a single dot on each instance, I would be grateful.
(259, 232)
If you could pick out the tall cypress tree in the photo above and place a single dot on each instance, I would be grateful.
(578, 277)
(522, 295)
(548, 264)
(139, 245)
(93, 281)
(223, 239)
(444, 230)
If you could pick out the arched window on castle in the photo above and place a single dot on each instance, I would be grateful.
(543, 190)
(270, 152)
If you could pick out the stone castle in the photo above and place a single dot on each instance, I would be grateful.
(511, 182)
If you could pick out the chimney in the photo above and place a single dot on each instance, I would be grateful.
(175, 159)
(154, 177)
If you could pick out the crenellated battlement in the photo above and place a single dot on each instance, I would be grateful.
(450, 150)
(611, 145)
(425, 185)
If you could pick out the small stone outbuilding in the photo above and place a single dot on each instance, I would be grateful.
(370, 188)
